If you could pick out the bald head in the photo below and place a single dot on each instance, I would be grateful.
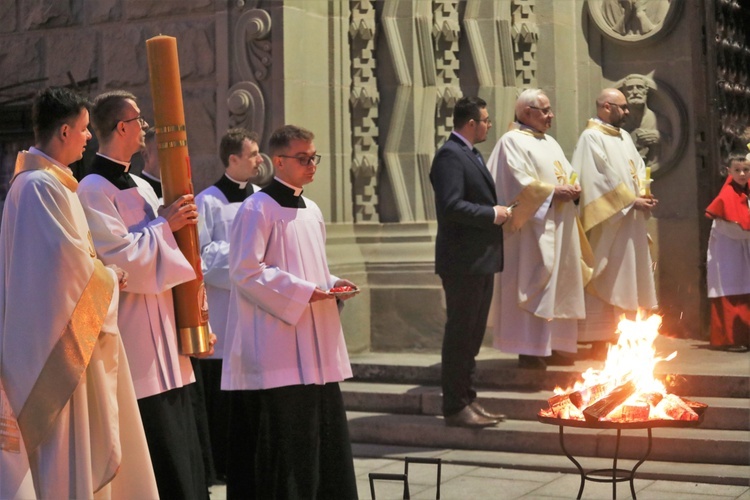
(612, 107)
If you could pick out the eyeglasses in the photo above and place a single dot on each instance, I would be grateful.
(304, 160)
(141, 121)
(486, 120)
(545, 111)
(623, 107)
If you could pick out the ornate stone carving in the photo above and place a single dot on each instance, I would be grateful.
(525, 34)
(364, 99)
(631, 21)
(445, 31)
(732, 75)
(657, 121)
(252, 56)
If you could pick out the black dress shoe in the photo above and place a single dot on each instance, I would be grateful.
(481, 410)
(531, 362)
(558, 359)
(467, 418)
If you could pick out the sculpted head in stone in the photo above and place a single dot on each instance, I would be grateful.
(533, 110)
(641, 121)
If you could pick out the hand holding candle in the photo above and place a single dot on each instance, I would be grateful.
(648, 182)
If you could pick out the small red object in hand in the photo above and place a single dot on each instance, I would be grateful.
(339, 289)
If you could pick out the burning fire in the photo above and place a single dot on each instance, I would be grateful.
(625, 390)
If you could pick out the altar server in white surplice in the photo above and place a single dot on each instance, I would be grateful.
(217, 206)
(78, 433)
(130, 230)
(284, 351)
(541, 289)
(614, 209)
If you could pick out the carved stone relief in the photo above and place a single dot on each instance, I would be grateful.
(657, 121)
(252, 58)
(446, 32)
(364, 101)
(629, 21)
(525, 34)
(732, 75)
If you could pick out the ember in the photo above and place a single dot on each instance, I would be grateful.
(625, 390)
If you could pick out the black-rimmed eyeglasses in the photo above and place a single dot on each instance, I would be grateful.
(304, 160)
(141, 121)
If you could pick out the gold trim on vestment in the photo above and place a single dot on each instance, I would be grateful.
(604, 128)
(529, 201)
(26, 161)
(606, 206)
(523, 129)
(587, 254)
(67, 361)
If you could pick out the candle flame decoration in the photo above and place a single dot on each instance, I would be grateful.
(628, 380)
(191, 305)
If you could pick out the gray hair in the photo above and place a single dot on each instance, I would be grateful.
(529, 97)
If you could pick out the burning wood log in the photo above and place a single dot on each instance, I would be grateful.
(652, 398)
(589, 395)
(605, 405)
(561, 406)
(675, 408)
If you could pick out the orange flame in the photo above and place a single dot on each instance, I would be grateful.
(631, 360)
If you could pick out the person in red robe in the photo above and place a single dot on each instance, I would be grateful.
(728, 259)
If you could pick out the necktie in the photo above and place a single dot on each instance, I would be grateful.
(478, 155)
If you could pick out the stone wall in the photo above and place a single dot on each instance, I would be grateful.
(101, 43)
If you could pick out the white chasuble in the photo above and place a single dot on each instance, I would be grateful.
(612, 174)
(540, 290)
(128, 232)
(64, 368)
(275, 337)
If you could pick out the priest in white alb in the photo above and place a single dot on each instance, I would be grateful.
(539, 295)
(69, 422)
(614, 208)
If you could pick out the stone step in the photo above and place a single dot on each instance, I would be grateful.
(723, 413)
(694, 445)
(504, 374)
(720, 474)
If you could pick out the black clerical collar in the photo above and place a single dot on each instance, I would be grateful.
(114, 172)
(232, 190)
(284, 195)
(155, 183)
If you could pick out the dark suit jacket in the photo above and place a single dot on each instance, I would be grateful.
(468, 241)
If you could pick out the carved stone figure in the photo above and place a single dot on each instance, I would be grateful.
(642, 122)
(634, 17)
(634, 21)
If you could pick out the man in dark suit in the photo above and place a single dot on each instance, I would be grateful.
(468, 252)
